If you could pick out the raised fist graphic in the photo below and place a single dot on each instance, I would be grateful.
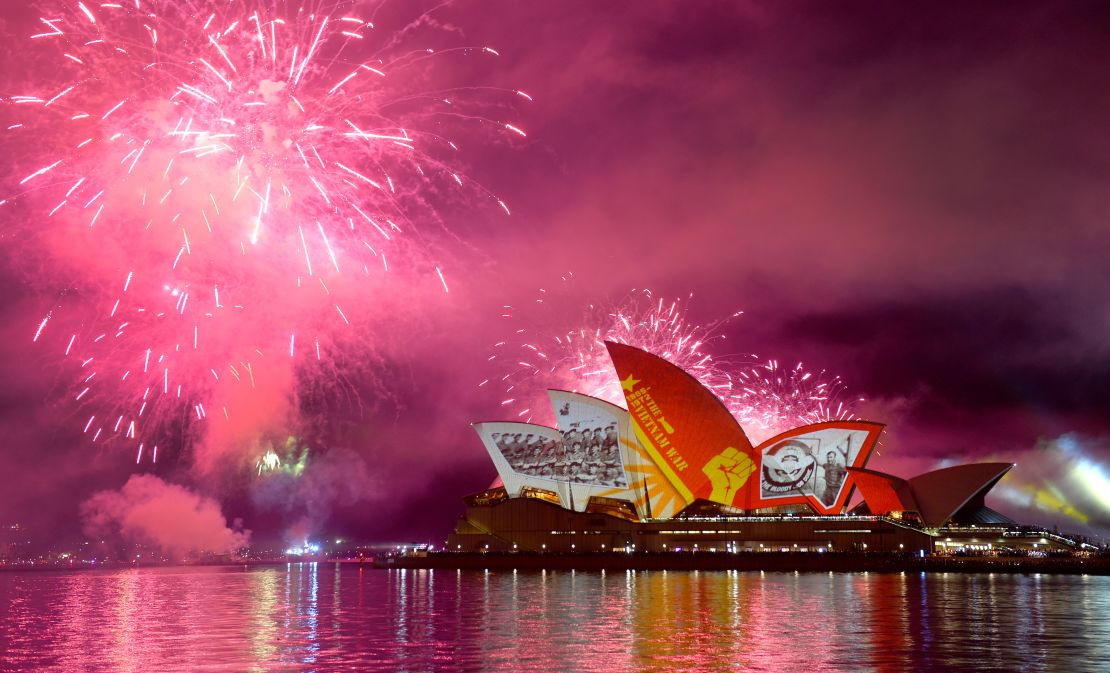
(728, 472)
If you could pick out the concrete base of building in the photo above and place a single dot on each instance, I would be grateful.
(533, 525)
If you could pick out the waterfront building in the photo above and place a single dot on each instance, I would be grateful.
(675, 473)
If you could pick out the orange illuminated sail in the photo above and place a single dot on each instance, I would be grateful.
(691, 436)
(703, 452)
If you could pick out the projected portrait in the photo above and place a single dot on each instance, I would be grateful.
(591, 438)
(814, 464)
(832, 470)
(579, 456)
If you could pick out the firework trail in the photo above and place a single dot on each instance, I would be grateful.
(226, 195)
(763, 397)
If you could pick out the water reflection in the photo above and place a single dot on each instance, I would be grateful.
(324, 618)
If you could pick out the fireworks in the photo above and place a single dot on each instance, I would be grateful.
(763, 397)
(290, 459)
(767, 399)
(221, 189)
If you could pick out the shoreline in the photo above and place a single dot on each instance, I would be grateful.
(764, 561)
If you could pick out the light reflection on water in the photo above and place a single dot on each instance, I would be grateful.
(325, 618)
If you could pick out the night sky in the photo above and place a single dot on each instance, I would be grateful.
(913, 197)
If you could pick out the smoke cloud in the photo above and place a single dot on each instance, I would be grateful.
(336, 479)
(1062, 481)
(150, 511)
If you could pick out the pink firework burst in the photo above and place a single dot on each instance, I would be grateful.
(767, 399)
(226, 194)
(764, 398)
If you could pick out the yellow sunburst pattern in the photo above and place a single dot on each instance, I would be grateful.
(643, 474)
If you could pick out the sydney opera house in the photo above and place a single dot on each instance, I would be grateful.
(676, 473)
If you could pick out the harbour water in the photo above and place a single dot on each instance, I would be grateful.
(324, 617)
